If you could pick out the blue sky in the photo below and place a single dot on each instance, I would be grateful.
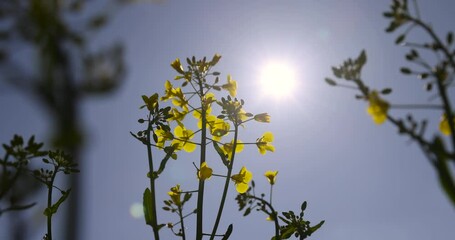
(363, 179)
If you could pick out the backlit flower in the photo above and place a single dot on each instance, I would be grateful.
(179, 99)
(228, 147)
(177, 115)
(264, 143)
(230, 86)
(177, 66)
(204, 172)
(169, 91)
(175, 195)
(378, 108)
(182, 139)
(219, 128)
(242, 179)
(271, 176)
(162, 137)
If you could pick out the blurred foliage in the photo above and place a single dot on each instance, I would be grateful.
(433, 63)
(19, 176)
(46, 51)
(54, 37)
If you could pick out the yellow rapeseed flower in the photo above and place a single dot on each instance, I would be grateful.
(230, 86)
(204, 172)
(175, 195)
(169, 91)
(242, 179)
(177, 115)
(163, 136)
(378, 108)
(444, 125)
(271, 176)
(264, 143)
(227, 148)
(179, 99)
(219, 128)
(183, 137)
(177, 66)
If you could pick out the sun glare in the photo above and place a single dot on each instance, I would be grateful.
(277, 80)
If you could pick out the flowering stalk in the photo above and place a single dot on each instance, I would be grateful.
(152, 182)
(200, 196)
(226, 183)
(49, 203)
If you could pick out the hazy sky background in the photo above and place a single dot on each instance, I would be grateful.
(364, 180)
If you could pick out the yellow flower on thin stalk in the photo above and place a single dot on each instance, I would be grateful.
(230, 86)
(169, 91)
(264, 143)
(242, 179)
(271, 176)
(175, 195)
(378, 108)
(204, 172)
(177, 66)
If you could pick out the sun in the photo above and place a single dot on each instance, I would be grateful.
(277, 79)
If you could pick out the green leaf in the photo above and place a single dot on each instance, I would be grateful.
(444, 171)
(400, 39)
(303, 207)
(316, 227)
(169, 152)
(221, 153)
(405, 70)
(288, 233)
(53, 209)
(386, 91)
(449, 38)
(247, 212)
(362, 59)
(160, 226)
(228, 232)
(148, 211)
(331, 82)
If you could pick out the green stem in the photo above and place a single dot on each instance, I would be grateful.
(416, 106)
(200, 196)
(226, 186)
(49, 204)
(152, 184)
(271, 193)
(274, 215)
(441, 87)
(182, 225)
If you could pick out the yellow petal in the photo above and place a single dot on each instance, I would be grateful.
(267, 137)
(241, 187)
(189, 147)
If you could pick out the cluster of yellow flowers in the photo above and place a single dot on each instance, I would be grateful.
(218, 127)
